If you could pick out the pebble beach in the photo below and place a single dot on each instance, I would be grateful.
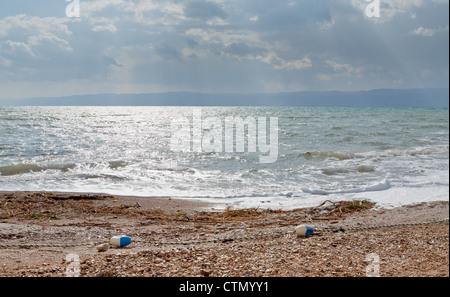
(183, 238)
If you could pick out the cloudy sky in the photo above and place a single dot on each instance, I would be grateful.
(220, 46)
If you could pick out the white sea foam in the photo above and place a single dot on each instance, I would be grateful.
(381, 186)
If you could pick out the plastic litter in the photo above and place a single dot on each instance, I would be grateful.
(304, 230)
(120, 241)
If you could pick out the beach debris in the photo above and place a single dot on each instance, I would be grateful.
(103, 247)
(304, 230)
(120, 241)
(225, 240)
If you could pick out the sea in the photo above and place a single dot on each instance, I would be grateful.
(271, 157)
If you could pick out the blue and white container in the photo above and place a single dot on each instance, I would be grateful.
(304, 230)
(120, 241)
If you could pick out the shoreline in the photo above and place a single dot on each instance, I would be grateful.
(74, 218)
(164, 204)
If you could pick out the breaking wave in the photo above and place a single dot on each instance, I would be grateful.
(380, 186)
(348, 155)
(23, 168)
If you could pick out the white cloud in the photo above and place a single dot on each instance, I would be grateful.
(34, 41)
(423, 32)
(28, 32)
(110, 27)
(17, 45)
(216, 21)
(47, 38)
(326, 25)
(226, 44)
(281, 64)
(392, 8)
(345, 69)
(226, 37)
(103, 24)
(252, 45)
(151, 12)
(88, 8)
(27, 23)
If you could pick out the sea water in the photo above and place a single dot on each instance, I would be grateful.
(391, 156)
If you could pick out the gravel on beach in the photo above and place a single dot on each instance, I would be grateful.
(205, 242)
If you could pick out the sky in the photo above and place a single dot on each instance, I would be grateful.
(220, 46)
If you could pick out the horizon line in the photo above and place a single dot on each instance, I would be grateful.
(230, 94)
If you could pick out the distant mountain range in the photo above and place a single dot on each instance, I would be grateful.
(373, 98)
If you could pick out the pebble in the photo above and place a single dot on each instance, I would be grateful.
(103, 247)
(206, 272)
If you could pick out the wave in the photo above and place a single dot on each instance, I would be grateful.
(24, 168)
(347, 155)
(339, 155)
(342, 170)
(27, 168)
(380, 186)
(117, 164)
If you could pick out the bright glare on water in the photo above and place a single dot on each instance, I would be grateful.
(390, 156)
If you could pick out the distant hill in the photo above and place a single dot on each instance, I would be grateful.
(373, 98)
